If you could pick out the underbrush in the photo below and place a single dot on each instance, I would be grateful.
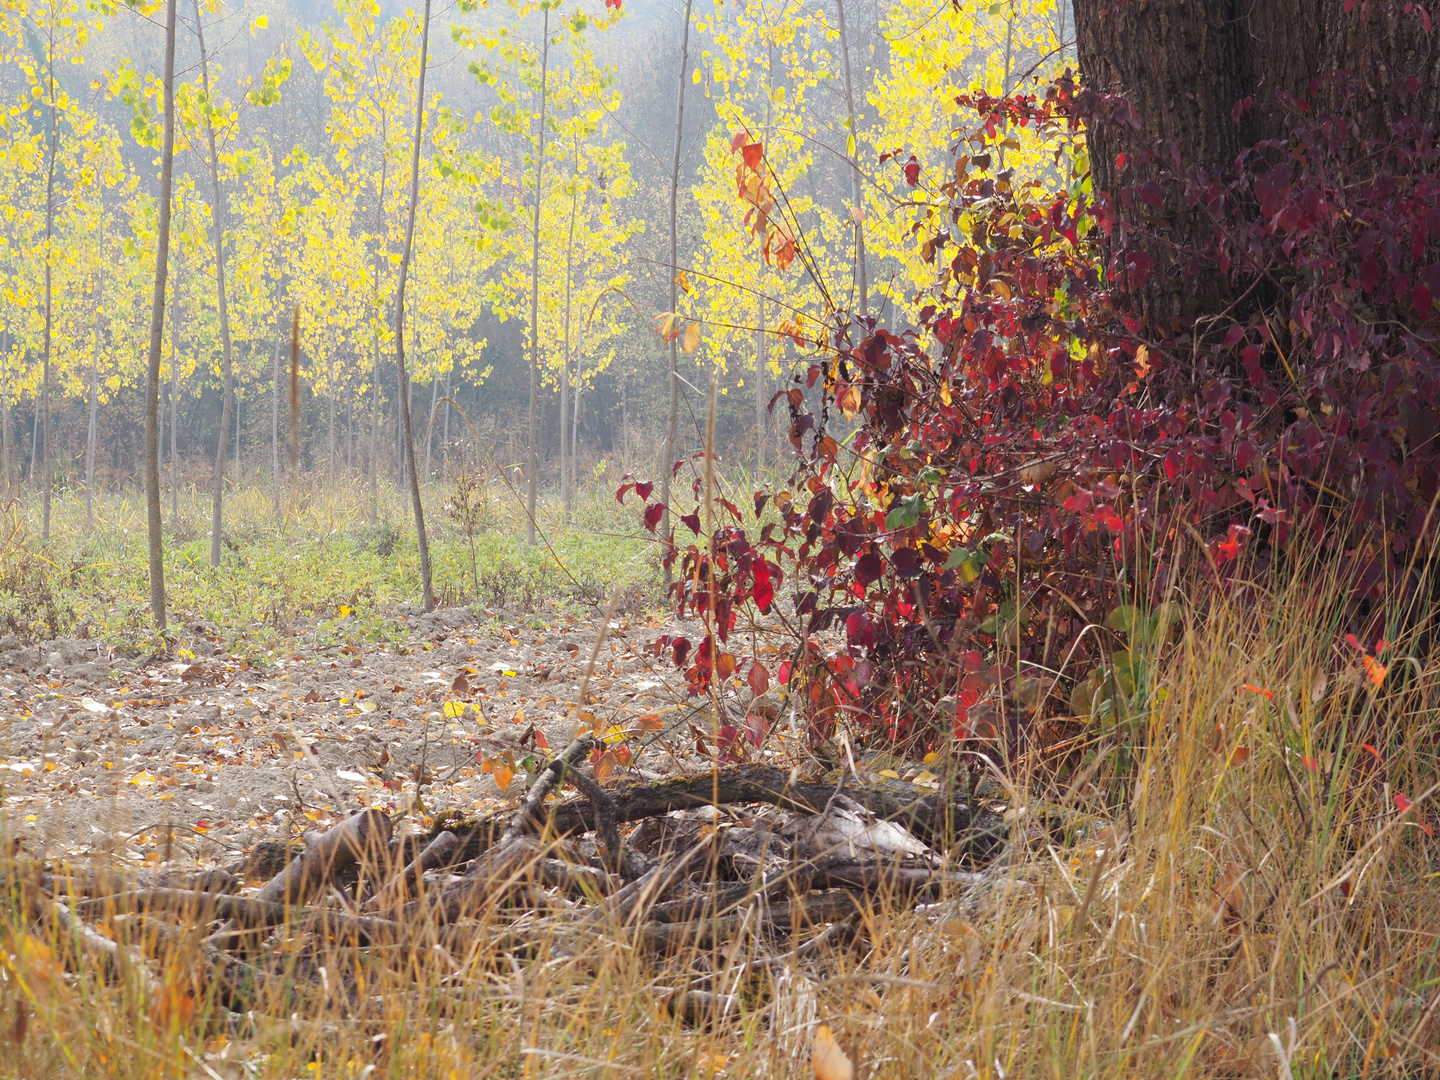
(1244, 885)
(281, 574)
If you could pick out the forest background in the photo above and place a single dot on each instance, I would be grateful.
(310, 108)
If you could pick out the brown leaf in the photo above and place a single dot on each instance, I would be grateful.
(461, 685)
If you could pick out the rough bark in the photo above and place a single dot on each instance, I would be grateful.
(157, 333)
(416, 502)
(1208, 79)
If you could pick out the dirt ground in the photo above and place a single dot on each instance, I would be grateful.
(193, 756)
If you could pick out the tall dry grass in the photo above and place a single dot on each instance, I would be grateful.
(1232, 891)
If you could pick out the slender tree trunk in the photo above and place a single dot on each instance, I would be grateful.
(430, 426)
(157, 334)
(415, 500)
(90, 431)
(275, 426)
(50, 148)
(445, 424)
(762, 365)
(380, 253)
(857, 195)
(567, 449)
(175, 398)
(330, 380)
(575, 415)
(5, 410)
(217, 217)
(533, 456)
(668, 460)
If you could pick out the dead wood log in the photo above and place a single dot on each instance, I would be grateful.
(783, 917)
(528, 819)
(98, 951)
(436, 853)
(357, 838)
(608, 830)
(73, 882)
(931, 817)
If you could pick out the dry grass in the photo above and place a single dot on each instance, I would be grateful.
(1257, 894)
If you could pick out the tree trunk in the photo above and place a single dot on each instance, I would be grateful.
(174, 394)
(90, 430)
(762, 364)
(667, 461)
(380, 254)
(567, 451)
(157, 334)
(533, 454)
(217, 217)
(5, 410)
(53, 136)
(430, 426)
(1184, 67)
(415, 500)
(857, 195)
(275, 426)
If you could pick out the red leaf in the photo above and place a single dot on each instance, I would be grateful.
(693, 520)
(540, 740)
(653, 513)
(756, 728)
(680, 650)
(783, 675)
(644, 489)
(1403, 804)
(622, 491)
(912, 171)
(758, 678)
(737, 141)
(753, 153)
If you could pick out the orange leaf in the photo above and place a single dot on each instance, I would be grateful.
(1270, 694)
(1240, 756)
(725, 665)
(738, 141)
(754, 153)
(504, 773)
(692, 338)
(1374, 670)
(827, 1059)
(1378, 756)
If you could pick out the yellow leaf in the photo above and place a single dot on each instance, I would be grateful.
(260, 23)
(926, 779)
(683, 280)
(614, 734)
(692, 338)
(454, 709)
(827, 1059)
(519, 715)
(143, 779)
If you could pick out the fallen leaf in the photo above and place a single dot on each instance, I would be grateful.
(367, 706)
(91, 705)
(461, 685)
(827, 1059)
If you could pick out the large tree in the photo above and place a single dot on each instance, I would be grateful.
(1202, 80)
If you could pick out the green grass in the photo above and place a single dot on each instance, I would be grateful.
(277, 578)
